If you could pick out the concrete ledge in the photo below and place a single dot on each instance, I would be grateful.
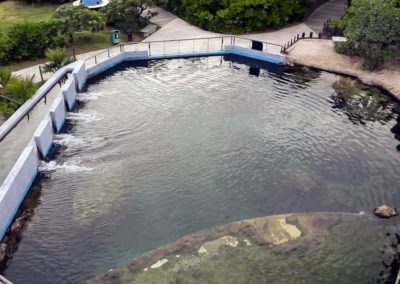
(58, 113)
(44, 136)
(16, 185)
(115, 60)
(271, 57)
(80, 74)
(69, 93)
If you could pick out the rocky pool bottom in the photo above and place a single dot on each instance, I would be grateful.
(292, 248)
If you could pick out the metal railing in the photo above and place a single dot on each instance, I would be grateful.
(180, 47)
(299, 37)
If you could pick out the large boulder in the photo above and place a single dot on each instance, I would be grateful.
(385, 211)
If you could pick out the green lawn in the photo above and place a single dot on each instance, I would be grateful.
(14, 12)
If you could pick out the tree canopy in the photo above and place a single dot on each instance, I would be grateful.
(240, 15)
(79, 18)
(129, 15)
(372, 29)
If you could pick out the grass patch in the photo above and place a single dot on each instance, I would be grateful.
(15, 12)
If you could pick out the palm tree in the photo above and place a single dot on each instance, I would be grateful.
(14, 91)
(57, 57)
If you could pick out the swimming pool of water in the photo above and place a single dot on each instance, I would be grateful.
(167, 148)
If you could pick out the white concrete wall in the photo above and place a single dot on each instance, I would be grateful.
(58, 113)
(80, 74)
(16, 185)
(69, 93)
(43, 136)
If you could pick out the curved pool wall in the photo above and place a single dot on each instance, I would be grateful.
(23, 173)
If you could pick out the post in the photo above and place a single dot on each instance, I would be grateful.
(222, 44)
(108, 52)
(303, 35)
(95, 59)
(311, 34)
(73, 53)
(41, 73)
(149, 48)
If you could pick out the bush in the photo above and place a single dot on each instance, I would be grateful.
(30, 40)
(5, 48)
(346, 48)
(239, 16)
(373, 32)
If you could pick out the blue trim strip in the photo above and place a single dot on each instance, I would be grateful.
(22, 197)
(187, 55)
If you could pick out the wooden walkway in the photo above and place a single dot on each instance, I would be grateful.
(333, 9)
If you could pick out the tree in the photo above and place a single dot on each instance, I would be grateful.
(57, 57)
(79, 18)
(372, 29)
(129, 15)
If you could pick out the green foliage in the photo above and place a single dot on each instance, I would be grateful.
(239, 15)
(346, 48)
(79, 18)
(5, 76)
(30, 40)
(5, 48)
(16, 88)
(373, 30)
(57, 58)
(128, 15)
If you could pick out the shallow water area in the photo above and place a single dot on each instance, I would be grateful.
(168, 148)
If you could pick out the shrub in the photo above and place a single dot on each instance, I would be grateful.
(239, 15)
(5, 48)
(373, 32)
(346, 48)
(30, 40)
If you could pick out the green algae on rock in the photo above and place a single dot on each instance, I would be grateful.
(300, 248)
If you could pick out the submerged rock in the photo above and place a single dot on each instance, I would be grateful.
(385, 211)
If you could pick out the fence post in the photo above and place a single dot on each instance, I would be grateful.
(149, 48)
(303, 35)
(41, 73)
(73, 53)
(95, 59)
(222, 44)
(311, 34)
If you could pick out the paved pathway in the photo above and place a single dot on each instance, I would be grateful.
(321, 54)
(173, 28)
(333, 9)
